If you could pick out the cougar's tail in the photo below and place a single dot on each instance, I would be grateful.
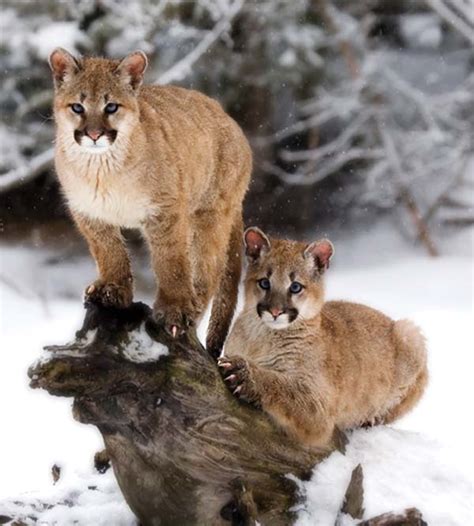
(411, 351)
(225, 300)
(411, 372)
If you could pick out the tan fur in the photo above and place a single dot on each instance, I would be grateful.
(178, 170)
(339, 365)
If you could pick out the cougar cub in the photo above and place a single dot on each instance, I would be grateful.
(163, 159)
(314, 366)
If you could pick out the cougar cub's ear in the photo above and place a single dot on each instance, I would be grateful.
(321, 252)
(256, 243)
(63, 65)
(132, 68)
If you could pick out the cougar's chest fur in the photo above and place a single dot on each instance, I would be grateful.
(100, 188)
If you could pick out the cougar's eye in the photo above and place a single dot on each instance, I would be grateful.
(111, 107)
(264, 283)
(296, 287)
(77, 108)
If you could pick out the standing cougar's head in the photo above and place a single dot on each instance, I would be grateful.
(95, 100)
(283, 280)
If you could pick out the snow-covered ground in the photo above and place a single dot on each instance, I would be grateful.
(425, 460)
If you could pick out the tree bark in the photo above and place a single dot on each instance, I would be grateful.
(183, 449)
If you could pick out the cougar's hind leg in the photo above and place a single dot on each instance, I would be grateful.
(208, 246)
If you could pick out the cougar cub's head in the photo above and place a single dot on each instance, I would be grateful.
(283, 279)
(95, 101)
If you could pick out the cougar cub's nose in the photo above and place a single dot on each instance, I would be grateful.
(275, 312)
(94, 134)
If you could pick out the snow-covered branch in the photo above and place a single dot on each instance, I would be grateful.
(305, 88)
(300, 126)
(464, 27)
(27, 172)
(313, 175)
(183, 67)
(337, 145)
(413, 94)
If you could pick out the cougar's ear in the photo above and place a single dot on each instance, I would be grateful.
(63, 65)
(256, 243)
(320, 252)
(132, 68)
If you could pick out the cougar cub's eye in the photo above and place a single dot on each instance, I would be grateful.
(296, 287)
(111, 107)
(264, 283)
(77, 108)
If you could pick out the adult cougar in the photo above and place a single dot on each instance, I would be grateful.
(163, 159)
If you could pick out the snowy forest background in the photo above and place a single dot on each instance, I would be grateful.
(360, 116)
(354, 109)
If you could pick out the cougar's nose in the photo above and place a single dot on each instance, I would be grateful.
(275, 312)
(94, 134)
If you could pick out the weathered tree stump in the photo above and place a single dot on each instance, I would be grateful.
(184, 451)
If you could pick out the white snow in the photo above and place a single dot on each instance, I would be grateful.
(421, 30)
(425, 460)
(142, 348)
(402, 469)
(97, 500)
(56, 34)
(37, 430)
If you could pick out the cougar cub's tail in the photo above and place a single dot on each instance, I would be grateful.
(225, 300)
(411, 372)
(411, 351)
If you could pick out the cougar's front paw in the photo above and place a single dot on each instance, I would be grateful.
(109, 294)
(238, 377)
(176, 319)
